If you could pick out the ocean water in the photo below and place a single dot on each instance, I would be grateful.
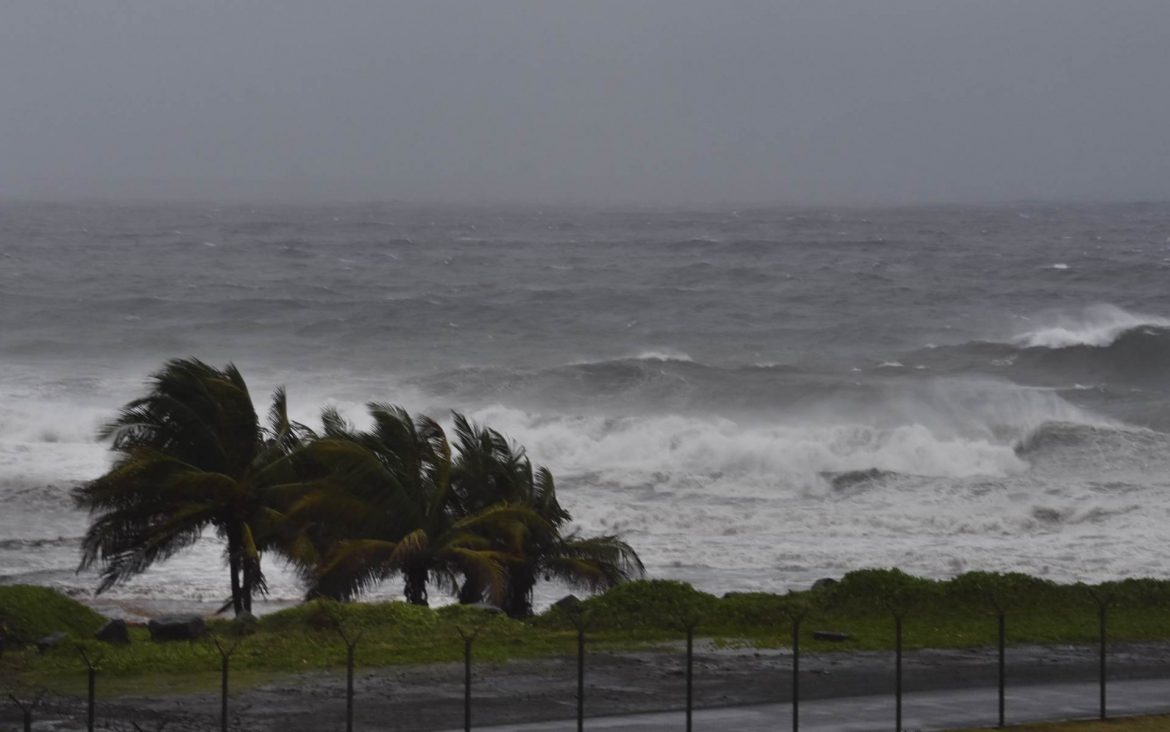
(753, 398)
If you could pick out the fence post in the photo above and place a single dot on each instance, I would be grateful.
(1101, 610)
(580, 678)
(690, 673)
(898, 672)
(577, 615)
(351, 642)
(468, 640)
(91, 665)
(795, 609)
(795, 674)
(225, 654)
(688, 619)
(1101, 595)
(467, 684)
(1002, 667)
(26, 710)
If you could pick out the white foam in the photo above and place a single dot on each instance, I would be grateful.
(772, 460)
(663, 354)
(1097, 325)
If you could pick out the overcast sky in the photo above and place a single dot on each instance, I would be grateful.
(629, 101)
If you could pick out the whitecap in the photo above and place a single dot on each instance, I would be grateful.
(663, 354)
(1097, 325)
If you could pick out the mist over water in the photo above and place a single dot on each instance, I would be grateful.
(754, 398)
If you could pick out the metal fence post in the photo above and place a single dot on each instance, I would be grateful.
(1102, 596)
(91, 666)
(223, 696)
(469, 635)
(1002, 667)
(26, 710)
(690, 672)
(467, 683)
(225, 655)
(898, 672)
(1101, 610)
(349, 688)
(795, 673)
(351, 642)
(580, 678)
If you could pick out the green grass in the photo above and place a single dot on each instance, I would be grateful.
(29, 613)
(949, 614)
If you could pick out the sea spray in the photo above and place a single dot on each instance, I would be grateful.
(708, 383)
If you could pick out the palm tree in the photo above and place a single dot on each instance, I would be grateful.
(382, 504)
(190, 455)
(488, 469)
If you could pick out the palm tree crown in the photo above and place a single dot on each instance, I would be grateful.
(189, 455)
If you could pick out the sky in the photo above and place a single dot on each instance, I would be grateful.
(670, 102)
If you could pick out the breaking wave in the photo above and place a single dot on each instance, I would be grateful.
(676, 451)
(1106, 346)
(1097, 326)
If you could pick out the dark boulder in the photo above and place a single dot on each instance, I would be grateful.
(51, 641)
(114, 632)
(245, 624)
(568, 603)
(824, 583)
(177, 628)
(831, 635)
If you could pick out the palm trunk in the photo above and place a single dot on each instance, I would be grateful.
(234, 568)
(518, 599)
(416, 586)
(470, 592)
(241, 581)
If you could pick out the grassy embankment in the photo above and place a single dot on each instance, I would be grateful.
(949, 614)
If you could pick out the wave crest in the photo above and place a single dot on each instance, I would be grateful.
(1096, 326)
(677, 451)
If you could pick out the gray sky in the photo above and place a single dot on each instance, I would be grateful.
(629, 101)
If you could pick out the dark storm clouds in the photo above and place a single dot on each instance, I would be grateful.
(667, 101)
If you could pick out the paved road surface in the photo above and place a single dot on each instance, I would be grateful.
(921, 711)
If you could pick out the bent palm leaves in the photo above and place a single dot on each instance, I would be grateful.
(190, 455)
(490, 468)
(384, 505)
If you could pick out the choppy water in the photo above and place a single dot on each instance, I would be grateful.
(753, 398)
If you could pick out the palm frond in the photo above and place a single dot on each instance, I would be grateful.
(353, 567)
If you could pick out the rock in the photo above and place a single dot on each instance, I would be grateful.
(245, 624)
(51, 641)
(824, 583)
(568, 603)
(114, 632)
(177, 627)
(830, 635)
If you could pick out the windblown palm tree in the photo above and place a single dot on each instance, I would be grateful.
(383, 505)
(190, 455)
(489, 469)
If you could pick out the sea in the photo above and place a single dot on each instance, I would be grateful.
(753, 398)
